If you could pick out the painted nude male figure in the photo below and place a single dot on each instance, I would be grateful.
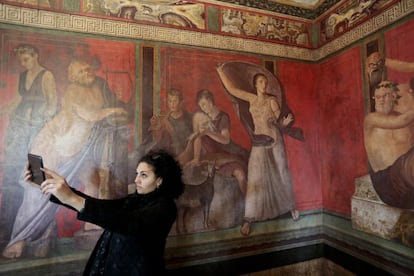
(389, 144)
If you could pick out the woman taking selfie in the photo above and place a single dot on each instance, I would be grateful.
(135, 227)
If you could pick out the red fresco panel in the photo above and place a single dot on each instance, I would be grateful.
(343, 156)
(399, 43)
(299, 83)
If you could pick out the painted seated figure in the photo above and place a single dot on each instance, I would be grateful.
(389, 144)
(77, 141)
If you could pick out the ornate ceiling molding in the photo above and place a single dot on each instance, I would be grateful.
(286, 9)
(389, 16)
(106, 27)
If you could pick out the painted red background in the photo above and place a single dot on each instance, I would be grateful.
(299, 83)
(342, 152)
(399, 44)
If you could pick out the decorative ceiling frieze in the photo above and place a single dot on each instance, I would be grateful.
(287, 9)
(234, 18)
(51, 20)
(397, 11)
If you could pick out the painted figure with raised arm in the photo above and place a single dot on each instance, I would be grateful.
(269, 186)
(389, 143)
(375, 67)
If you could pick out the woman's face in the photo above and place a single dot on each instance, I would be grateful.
(146, 181)
(206, 105)
(261, 84)
(28, 61)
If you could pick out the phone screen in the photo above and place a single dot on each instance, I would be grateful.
(35, 163)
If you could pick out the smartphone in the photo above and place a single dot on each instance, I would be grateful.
(35, 163)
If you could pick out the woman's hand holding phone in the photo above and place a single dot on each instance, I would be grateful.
(35, 166)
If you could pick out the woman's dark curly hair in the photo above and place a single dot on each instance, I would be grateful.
(166, 167)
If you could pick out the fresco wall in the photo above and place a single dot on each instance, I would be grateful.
(391, 64)
(344, 136)
(328, 101)
(183, 69)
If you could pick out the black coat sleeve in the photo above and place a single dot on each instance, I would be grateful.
(131, 218)
(57, 201)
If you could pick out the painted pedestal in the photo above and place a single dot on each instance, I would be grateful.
(371, 215)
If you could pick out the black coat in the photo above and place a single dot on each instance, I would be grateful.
(135, 232)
